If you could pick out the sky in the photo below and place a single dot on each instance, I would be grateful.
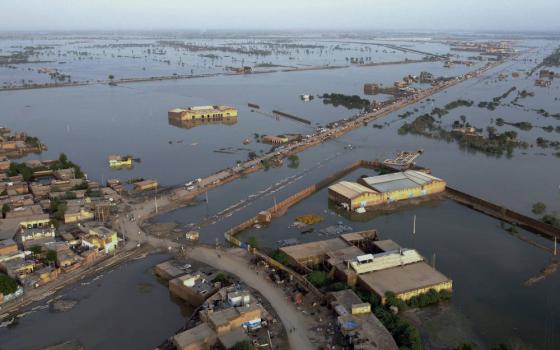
(429, 15)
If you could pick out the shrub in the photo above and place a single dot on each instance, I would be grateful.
(318, 278)
(539, 208)
(280, 256)
(8, 285)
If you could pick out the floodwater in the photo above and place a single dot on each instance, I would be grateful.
(125, 308)
(486, 264)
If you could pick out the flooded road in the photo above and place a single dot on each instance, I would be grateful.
(125, 308)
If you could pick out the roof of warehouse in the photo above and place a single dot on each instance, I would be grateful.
(403, 278)
(312, 249)
(400, 180)
(350, 189)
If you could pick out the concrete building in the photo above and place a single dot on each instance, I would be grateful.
(281, 139)
(145, 185)
(29, 237)
(200, 337)
(168, 270)
(230, 339)
(356, 322)
(376, 190)
(118, 161)
(226, 320)
(405, 281)
(77, 213)
(202, 112)
(543, 83)
(193, 288)
(239, 298)
(314, 253)
(8, 247)
(381, 261)
(101, 238)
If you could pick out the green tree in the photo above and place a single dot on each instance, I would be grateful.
(8, 285)
(63, 159)
(242, 345)
(222, 278)
(539, 208)
(465, 346)
(52, 256)
(280, 256)
(318, 278)
(36, 249)
(253, 242)
(111, 77)
(5, 209)
(293, 161)
(252, 155)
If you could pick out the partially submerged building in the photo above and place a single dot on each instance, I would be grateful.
(193, 288)
(315, 253)
(385, 268)
(382, 189)
(202, 113)
(145, 185)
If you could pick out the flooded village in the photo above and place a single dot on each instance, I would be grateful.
(196, 191)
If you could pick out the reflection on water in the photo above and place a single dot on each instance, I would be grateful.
(488, 266)
(189, 124)
(125, 308)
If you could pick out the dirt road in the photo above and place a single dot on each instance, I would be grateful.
(235, 264)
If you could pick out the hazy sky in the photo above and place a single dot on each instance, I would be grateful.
(280, 14)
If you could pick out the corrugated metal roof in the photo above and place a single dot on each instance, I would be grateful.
(397, 181)
(350, 189)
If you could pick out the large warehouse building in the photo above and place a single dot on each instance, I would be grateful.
(375, 190)
(202, 113)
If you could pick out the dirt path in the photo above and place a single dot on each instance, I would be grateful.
(289, 315)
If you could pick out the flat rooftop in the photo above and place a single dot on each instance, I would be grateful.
(306, 250)
(403, 278)
(369, 329)
(359, 236)
(197, 334)
(387, 245)
(229, 339)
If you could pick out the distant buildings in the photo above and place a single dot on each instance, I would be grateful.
(543, 82)
(118, 161)
(145, 185)
(202, 113)
(281, 139)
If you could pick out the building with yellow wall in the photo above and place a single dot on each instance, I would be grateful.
(101, 238)
(376, 190)
(202, 113)
(118, 161)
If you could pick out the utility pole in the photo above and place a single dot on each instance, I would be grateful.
(155, 198)
(555, 247)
